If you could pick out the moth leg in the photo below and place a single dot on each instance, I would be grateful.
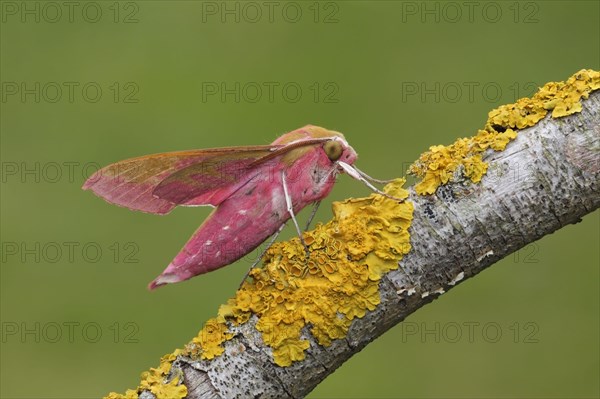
(366, 176)
(355, 174)
(271, 241)
(290, 209)
(312, 214)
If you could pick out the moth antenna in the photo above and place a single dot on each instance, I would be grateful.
(366, 176)
(354, 173)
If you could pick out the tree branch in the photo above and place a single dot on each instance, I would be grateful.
(547, 178)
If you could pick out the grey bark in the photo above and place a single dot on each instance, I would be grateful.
(548, 177)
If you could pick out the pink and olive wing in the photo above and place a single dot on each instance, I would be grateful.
(195, 184)
(212, 180)
(133, 183)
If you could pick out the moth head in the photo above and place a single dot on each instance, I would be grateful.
(338, 150)
(333, 149)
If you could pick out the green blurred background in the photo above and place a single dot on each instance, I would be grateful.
(92, 83)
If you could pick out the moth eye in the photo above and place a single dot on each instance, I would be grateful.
(333, 149)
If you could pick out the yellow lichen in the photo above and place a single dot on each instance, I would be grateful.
(337, 283)
(440, 164)
(155, 381)
(129, 394)
(212, 336)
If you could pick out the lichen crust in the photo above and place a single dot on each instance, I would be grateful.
(324, 292)
(463, 158)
